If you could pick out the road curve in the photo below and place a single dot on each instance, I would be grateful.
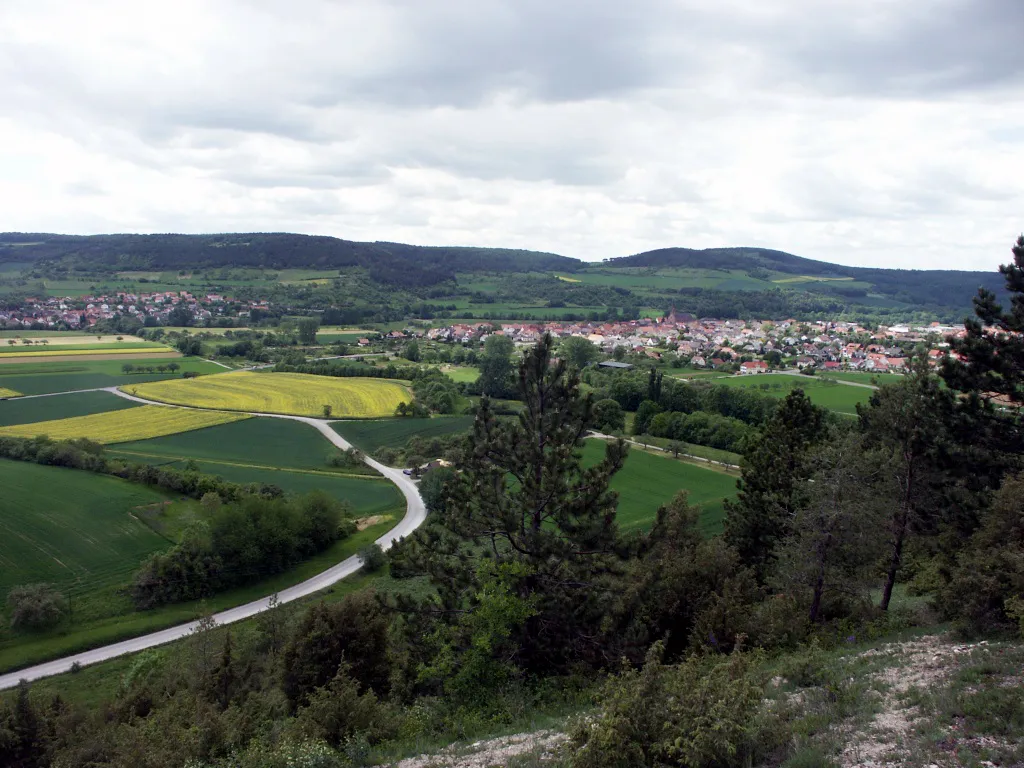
(415, 514)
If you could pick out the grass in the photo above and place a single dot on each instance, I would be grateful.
(829, 395)
(60, 525)
(864, 377)
(701, 451)
(4, 392)
(122, 426)
(368, 436)
(22, 350)
(279, 443)
(460, 374)
(295, 394)
(28, 410)
(38, 378)
(647, 481)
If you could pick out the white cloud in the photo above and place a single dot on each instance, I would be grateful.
(862, 132)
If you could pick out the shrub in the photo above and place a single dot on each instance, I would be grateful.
(372, 557)
(35, 606)
(698, 713)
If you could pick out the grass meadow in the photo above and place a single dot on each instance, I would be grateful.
(296, 394)
(648, 480)
(829, 395)
(39, 378)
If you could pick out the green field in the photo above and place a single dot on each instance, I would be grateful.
(647, 481)
(280, 443)
(60, 525)
(368, 436)
(77, 373)
(335, 338)
(864, 378)
(113, 348)
(32, 409)
(829, 395)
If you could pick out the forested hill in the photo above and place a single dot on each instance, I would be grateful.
(933, 287)
(710, 280)
(391, 263)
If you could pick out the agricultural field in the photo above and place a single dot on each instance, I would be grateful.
(60, 524)
(832, 396)
(368, 436)
(859, 377)
(107, 353)
(122, 426)
(255, 443)
(295, 394)
(41, 377)
(28, 410)
(648, 480)
(5, 393)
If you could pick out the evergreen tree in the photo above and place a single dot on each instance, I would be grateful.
(988, 362)
(907, 422)
(829, 552)
(523, 499)
(770, 487)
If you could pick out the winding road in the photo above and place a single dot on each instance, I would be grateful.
(415, 515)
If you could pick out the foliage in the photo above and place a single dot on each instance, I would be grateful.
(496, 367)
(702, 428)
(240, 541)
(372, 558)
(578, 351)
(353, 631)
(771, 488)
(989, 573)
(307, 329)
(36, 606)
(695, 714)
(827, 555)
(522, 497)
(608, 416)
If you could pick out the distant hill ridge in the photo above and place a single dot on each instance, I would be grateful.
(404, 265)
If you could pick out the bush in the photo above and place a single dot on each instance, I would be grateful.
(698, 713)
(372, 557)
(36, 606)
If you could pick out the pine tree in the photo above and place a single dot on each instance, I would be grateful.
(770, 487)
(908, 421)
(988, 362)
(523, 498)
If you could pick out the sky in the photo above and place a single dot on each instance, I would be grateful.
(864, 132)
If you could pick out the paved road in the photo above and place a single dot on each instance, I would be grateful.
(415, 514)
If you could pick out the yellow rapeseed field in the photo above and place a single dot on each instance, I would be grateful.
(295, 394)
(5, 392)
(140, 423)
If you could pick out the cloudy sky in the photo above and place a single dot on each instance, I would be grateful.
(867, 132)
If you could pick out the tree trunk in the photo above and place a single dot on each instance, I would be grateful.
(899, 535)
(894, 563)
(819, 590)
